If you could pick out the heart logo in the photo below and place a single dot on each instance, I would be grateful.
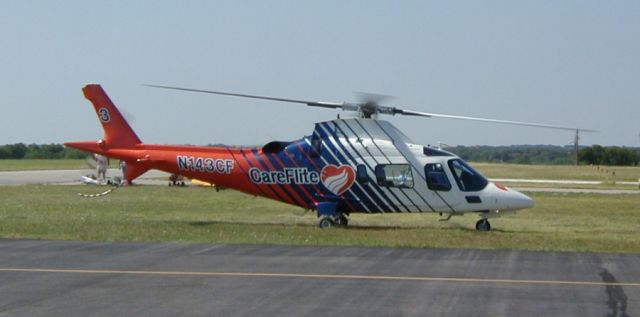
(337, 179)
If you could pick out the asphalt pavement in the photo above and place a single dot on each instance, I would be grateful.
(55, 278)
(68, 177)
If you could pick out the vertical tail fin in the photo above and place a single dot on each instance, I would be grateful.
(117, 132)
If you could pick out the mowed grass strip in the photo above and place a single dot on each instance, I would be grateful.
(560, 172)
(605, 185)
(28, 165)
(559, 222)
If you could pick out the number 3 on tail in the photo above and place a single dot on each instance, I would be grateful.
(103, 113)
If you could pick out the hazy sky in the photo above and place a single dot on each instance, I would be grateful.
(574, 63)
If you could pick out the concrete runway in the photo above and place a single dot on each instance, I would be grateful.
(51, 278)
(67, 177)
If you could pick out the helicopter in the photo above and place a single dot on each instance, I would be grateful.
(345, 166)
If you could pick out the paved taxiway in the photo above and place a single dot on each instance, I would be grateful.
(51, 278)
(64, 176)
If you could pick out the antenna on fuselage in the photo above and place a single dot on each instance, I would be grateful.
(442, 145)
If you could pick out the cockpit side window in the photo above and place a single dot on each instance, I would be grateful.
(316, 146)
(436, 177)
(361, 174)
(394, 175)
(468, 179)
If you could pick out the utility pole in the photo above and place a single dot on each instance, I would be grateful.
(576, 146)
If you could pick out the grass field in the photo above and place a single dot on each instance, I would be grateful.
(567, 222)
(604, 185)
(582, 172)
(23, 165)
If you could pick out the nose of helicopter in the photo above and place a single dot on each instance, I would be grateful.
(509, 199)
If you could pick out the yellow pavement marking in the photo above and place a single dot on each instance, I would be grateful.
(321, 276)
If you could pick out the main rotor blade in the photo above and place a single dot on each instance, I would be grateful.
(323, 104)
(372, 108)
(530, 124)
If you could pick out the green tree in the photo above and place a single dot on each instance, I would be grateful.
(13, 151)
(611, 155)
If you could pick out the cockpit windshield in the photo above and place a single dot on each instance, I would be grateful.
(468, 179)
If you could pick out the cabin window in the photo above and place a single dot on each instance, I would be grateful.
(361, 174)
(436, 177)
(394, 175)
(274, 147)
(468, 179)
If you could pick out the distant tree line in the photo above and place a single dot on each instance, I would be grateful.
(610, 155)
(517, 154)
(549, 154)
